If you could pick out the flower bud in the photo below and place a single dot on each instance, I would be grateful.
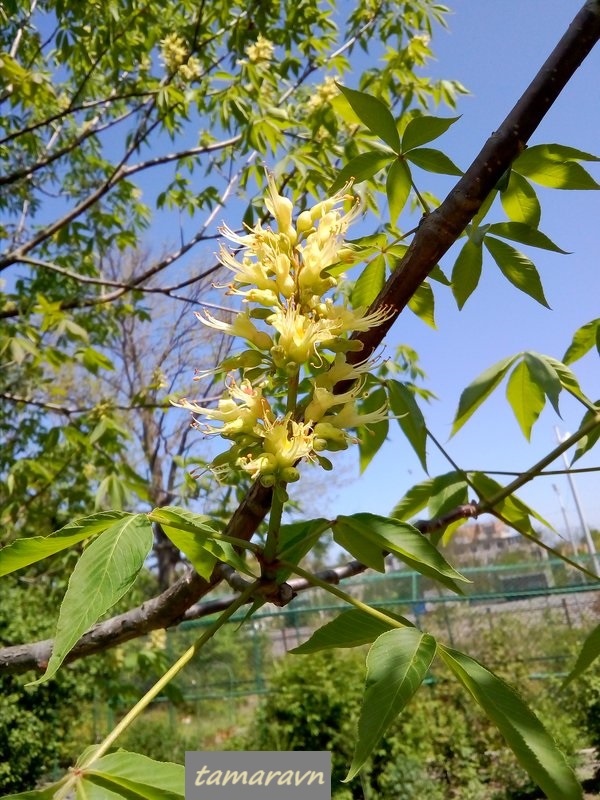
(290, 475)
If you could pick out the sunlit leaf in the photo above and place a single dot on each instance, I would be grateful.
(433, 161)
(422, 303)
(517, 268)
(413, 501)
(584, 339)
(525, 234)
(480, 389)
(360, 168)
(372, 437)
(105, 572)
(397, 187)
(526, 398)
(410, 418)
(421, 130)
(534, 748)
(369, 283)
(520, 201)
(466, 272)
(375, 115)
(350, 629)
(447, 492)
(397, 664)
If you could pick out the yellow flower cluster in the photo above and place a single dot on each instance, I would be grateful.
(175, 56)
(261, 50)
(282, 277)
(322, 94)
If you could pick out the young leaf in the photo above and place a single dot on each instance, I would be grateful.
(369, 283)
(361, 168)
(421, 130)
(296, 540)
(477, 391)
(103, 574)
(545, 376)
(588, 654)
(375, 115)
(413, 501)
(525, 234)
(520, 202)
(433, 161)
(410, 418)
(350, 629)
(534, 748)
(517, 268)
(358, 532)
(566, 377)
(23, 552)
(526, 398)
(422, 303)
(397, 187)
(584, 339)
(466, 272)
(397, 664)
(513, 510)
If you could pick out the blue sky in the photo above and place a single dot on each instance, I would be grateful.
(495, 49)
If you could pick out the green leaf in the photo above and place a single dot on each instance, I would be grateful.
(421, 130)
(410, 418)
(350, 629)
(95, 785)
(512, 509)
(433, 161)
(448, 491)
(466, 272)
(369, 283)
(413, 501)
(192, 534)
(360, 168)
(587, 442)
(480, 389)
(566, 377)
(375, 115)
(105, 572)
(47, 793)
(534, 748)
(525, 234)
(122, 767)
(556, 166)
(370, 533)
(397, 187)
(526, 398)
(371, 437)
(397, 664)
(584, 339)
(520, 202)
(517, 268)
(296, 540)
(23, 552)
(546, 377)
(422, 303)
(588, 654)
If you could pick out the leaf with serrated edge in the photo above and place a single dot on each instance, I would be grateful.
(23, 552)
(432, 160)
(391, 535)
(422, 303)
(350, 629)
(360, 168)
(397, 664)
(375, 115)
(526, 398)
(477, 391)
(447, 492)
(534, 748)
(105, 572)
(421, 130)
(413, 501)
(544, 374)
(369, 283)
(296, 540)
(517, 268)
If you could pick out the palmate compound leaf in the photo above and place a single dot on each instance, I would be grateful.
(533, 746)
(397, 664)
(423, 129)
(105, 572)
(368, 537)
(361, 168)
(350, 629)
(191, 533)
(23, 552)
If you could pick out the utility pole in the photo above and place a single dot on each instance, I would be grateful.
(584, 526)
(569, 530)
